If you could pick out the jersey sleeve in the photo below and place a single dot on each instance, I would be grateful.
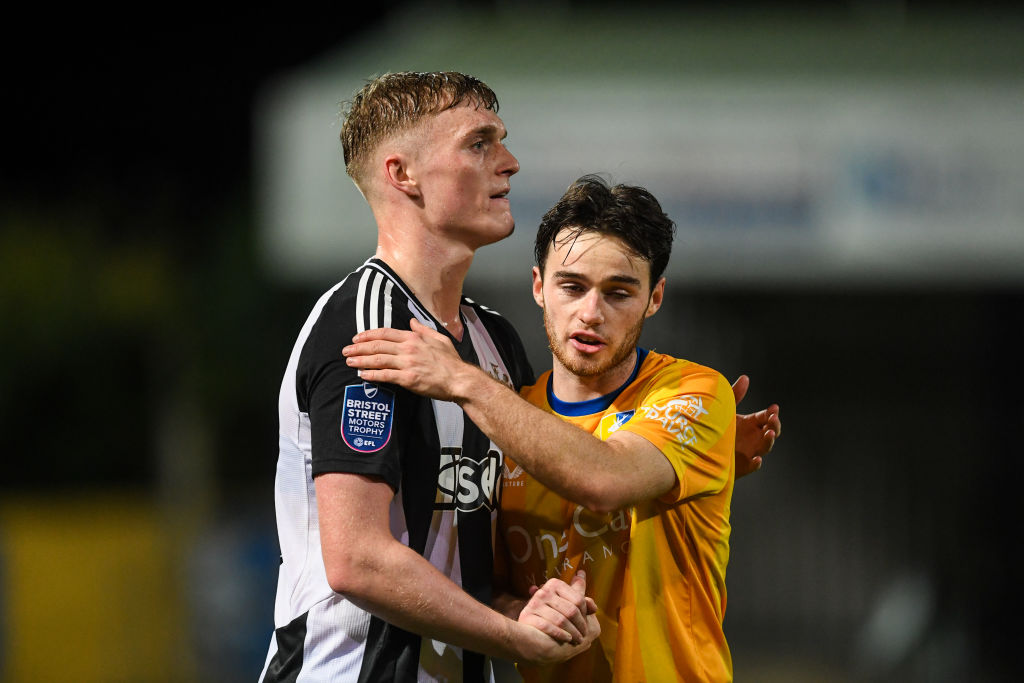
(356, 427)
(692, 420)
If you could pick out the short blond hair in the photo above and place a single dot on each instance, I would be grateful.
(394, 102)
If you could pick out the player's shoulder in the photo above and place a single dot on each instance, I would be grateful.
(684, 376)
(369, 297)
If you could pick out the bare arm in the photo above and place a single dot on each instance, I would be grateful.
(366, 564)
(600, 475)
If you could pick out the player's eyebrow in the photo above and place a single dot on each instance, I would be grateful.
(487, 130)
(620, 279)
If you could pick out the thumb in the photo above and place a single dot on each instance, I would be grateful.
(739, 387)
(579, 582)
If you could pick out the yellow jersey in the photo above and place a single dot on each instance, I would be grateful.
(655, 570)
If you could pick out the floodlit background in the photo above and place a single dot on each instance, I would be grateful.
(848, 186)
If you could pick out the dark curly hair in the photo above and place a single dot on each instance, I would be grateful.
(628, 212)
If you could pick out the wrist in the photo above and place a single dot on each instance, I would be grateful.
(514, 641)
(471, 384)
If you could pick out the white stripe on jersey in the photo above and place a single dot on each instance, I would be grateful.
(417, 311)
(361, 300)
(375, 301)
(373, 287)
(387, 302)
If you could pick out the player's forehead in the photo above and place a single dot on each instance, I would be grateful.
(467, 118)
(594, 256)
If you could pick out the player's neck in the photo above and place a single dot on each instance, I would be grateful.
(434, 271)
(573, 388)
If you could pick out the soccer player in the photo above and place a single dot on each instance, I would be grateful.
(385, 500)
(620, 459)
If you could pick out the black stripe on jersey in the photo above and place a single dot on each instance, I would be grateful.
(477, 568)
(474, 529)
(392, 654)
(287, 661)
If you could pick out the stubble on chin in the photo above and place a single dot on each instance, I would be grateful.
(591, 368)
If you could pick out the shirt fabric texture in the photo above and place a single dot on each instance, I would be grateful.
(656, 570)
(445, 472)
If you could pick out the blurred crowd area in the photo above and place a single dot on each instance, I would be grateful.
(145, 325)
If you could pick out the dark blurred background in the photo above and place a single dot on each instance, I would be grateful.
(145, 322)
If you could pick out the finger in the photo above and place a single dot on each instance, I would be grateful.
(762, 416)
(546, 627)
(591, 606)
(775, 422)
(365, 348)
(382, 334)
(558, 622)
(739, 387)
(424, 330)
(376, 362)
(576, 592)
(568, 601)
(416, 326)
(380, 376)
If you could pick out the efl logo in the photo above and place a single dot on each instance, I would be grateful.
(466, 484)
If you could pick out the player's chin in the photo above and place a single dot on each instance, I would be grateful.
(495, 232)
(506, 227)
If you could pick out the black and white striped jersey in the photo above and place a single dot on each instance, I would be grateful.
(444, 471)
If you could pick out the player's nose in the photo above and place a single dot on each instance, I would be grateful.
(508, 165)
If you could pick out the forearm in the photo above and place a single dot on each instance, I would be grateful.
(366, 564)
(401, 587)
(576, 465)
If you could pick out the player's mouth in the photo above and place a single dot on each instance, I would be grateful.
(503, 195)
(586, 342)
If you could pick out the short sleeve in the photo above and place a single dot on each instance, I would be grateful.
(356, 427)
(691, 417)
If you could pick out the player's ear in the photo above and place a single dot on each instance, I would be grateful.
(396, 171)
(656, 296)
(538, 287)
